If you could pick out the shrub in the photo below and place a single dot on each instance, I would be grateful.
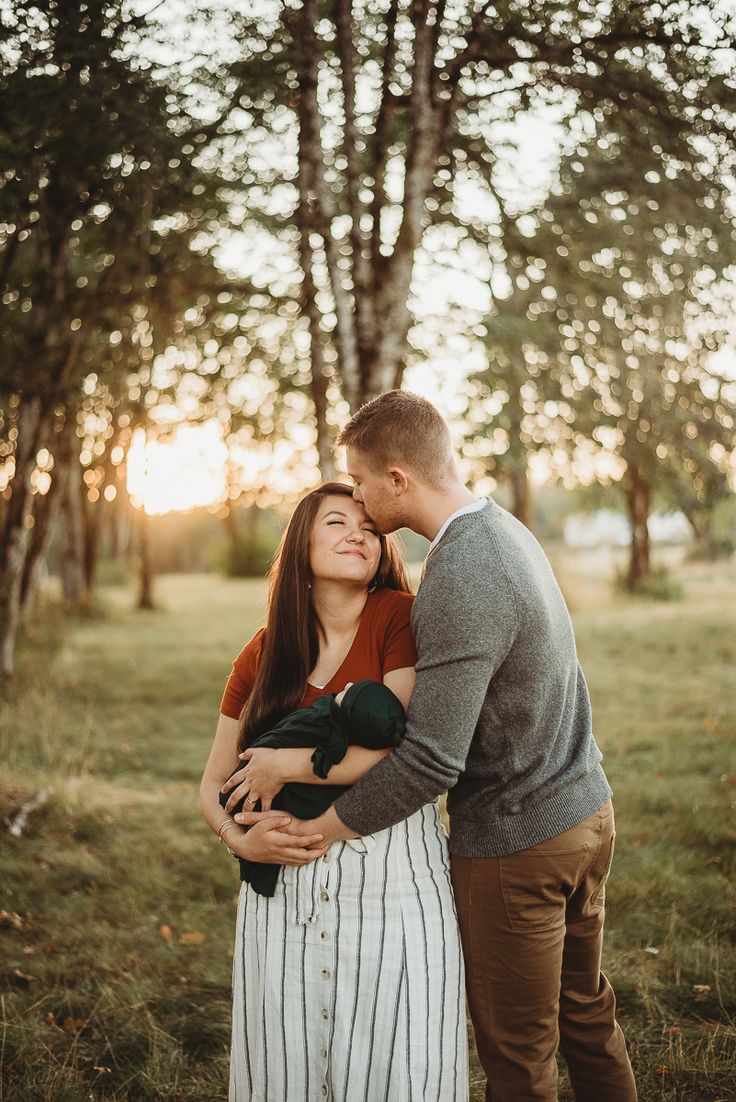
(250, 557)
(115, 572)
(720, 540)
(659, 585)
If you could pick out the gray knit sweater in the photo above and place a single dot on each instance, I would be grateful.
(500, 712)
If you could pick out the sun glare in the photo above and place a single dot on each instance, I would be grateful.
(184, 472)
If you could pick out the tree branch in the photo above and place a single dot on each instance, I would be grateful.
(380, 145)
(420, 161)
(307, 61)
(361, 268)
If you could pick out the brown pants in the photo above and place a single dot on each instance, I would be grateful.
(532, 932)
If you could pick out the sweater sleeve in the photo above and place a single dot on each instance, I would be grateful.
(465, 627)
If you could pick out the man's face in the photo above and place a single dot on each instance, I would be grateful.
(375, 492)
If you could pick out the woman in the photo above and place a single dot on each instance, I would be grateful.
(348, 981)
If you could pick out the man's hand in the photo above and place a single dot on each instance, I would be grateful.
(329, 826)
(269, 842)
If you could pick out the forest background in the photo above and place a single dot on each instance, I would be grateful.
(221, 231)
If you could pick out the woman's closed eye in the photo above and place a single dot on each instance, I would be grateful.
(369, 530)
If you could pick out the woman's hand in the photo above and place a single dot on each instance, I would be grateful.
(264, 774)
(268, 842)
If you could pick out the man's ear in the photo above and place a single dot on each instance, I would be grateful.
(399, 480)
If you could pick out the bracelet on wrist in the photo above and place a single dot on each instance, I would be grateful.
(221, 835)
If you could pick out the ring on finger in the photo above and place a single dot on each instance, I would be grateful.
(247, 800)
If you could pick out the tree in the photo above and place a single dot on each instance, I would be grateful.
(112, 210)
(367, 116)
(615, 287)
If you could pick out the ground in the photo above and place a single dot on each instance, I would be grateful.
(118, 905)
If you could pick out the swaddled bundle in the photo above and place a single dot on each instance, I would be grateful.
(370, 716)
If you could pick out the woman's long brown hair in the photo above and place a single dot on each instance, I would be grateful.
(291, 641)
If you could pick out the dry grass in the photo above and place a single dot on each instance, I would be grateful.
(102, 1000)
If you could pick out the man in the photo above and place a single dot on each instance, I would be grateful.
(500, 715)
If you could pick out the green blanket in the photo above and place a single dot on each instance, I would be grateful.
(370, 715)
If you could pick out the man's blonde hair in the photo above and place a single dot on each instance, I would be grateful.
(401, 429)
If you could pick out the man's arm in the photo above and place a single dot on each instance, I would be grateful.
(464, 632)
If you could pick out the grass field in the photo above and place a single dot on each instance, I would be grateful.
(118, 905)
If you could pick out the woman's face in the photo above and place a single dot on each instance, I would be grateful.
(345, 544)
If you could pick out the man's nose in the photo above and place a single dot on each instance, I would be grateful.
(357, 496)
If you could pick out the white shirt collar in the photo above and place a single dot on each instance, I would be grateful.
(472, 508)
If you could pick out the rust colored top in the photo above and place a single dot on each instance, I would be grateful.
(383, 642)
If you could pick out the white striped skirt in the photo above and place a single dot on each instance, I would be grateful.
(348, 983)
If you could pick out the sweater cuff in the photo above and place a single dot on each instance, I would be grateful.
(349, 812)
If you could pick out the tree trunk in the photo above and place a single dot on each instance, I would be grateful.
(145, 592)
(520, 495)
(47, 509)
(120, 526)
(254, 520)
(231, 527)
(73, 580)
(93, 515)
(324, 438)
(701, 524)
(370, 293)
(384, 369)
(320, 204)
(38, 545)
(638, 500)
(390, 310)
(16, 534)
(319, 382)
(517, 459)
(310, 218)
